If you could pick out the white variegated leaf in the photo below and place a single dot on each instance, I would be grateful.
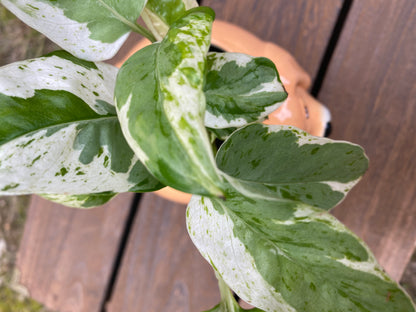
(60, 133)
(160, 14)
(280, 255)
(240, 89)
(161, 103)
(90, 29)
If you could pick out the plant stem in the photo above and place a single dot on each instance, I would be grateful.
(228, 302)
(143, 31)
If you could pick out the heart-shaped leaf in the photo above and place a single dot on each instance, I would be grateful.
(280, 255)
(240, 89)
(160, 14)
(286, 162)
(60, 133)
(161, 105)
(90, 29)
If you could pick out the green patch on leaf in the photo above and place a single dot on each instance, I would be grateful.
(52, 108)
(10, 186)
(68, 56)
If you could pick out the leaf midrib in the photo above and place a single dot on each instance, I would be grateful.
(117, 15)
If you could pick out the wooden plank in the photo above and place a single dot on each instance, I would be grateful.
(66, 255)
(371, 92)
(162, 270)
(302, 27)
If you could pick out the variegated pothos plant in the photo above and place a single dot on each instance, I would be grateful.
(78, 131)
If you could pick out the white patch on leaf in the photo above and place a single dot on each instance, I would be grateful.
(224, 58)
(369, 266)
(219, 122)
(272, 86)
(342, 187)
(123, 116)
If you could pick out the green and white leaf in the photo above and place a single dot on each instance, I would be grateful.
(90, 29)
(59, 132)
(158, 15)
(81, 201)
(287, 163)
(280, 255)
(240, 89)
(161, 104)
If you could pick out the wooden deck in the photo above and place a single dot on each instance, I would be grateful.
(135, 255)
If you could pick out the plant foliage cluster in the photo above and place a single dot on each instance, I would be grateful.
(79, 131)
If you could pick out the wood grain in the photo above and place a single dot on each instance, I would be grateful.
(302, 27)
(371, 91)
(66, 254)
(162, 270)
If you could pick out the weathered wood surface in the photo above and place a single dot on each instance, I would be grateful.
(370, 88)
(302, 27)
(66, 255)
(162, 270)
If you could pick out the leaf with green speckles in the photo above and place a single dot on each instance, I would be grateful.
(160, 104)
(90, 29)
(280, 255)
(62, 136)
(81, 201)
(240, 89)
(160, 14)
(287, 163)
